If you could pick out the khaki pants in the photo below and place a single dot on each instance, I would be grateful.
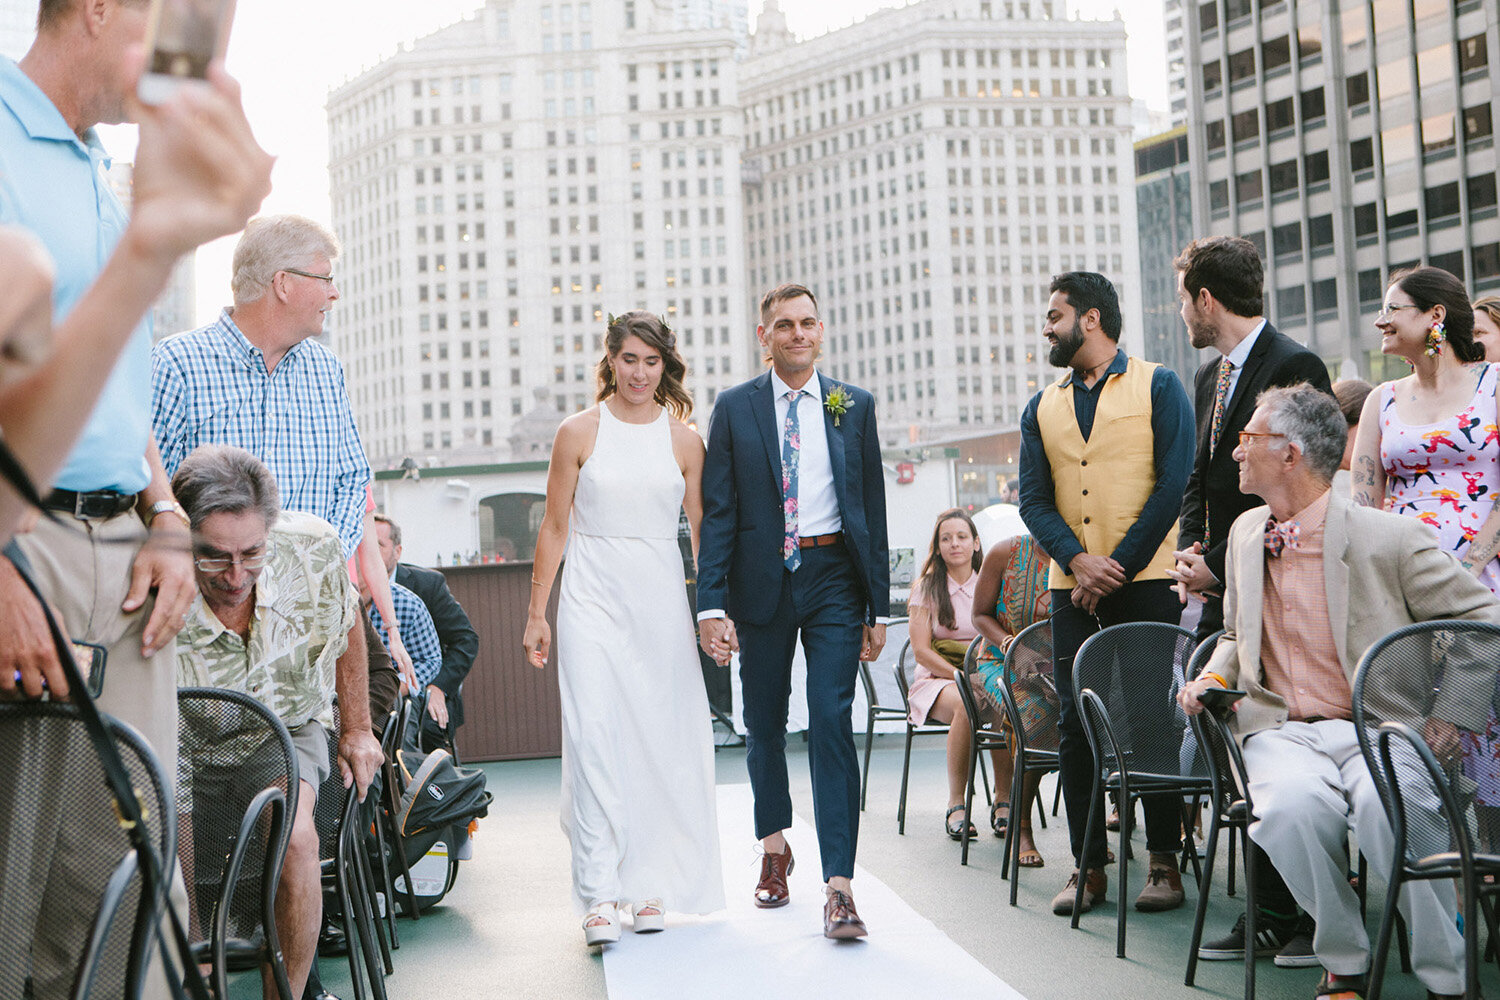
(83, 567)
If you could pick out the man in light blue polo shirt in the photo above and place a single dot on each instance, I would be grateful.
(116, 562)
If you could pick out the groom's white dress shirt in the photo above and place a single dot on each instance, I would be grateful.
(817, 503)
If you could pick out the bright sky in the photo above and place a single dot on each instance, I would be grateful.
(288, 53)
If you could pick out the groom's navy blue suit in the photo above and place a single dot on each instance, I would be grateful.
(836, 591)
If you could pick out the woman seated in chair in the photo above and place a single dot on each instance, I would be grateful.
(940, 630)
(1011, 594)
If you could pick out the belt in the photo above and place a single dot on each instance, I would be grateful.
(96, 505)
(819, 541)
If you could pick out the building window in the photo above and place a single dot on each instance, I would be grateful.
(1287, 239)
(1291, 302)
(1473, 53)
(1486, 261)
(1320, 231)
(1276, 53)
(1245, 126)
(1478, 123)
(1279, 115)
(1357, 88)
(1362, 154)
(1313, 107)
(1453, 263)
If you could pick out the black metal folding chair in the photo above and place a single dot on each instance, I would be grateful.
(345, 860)
(237, 798)
(1033, 734)
(903, 669)
(1127, 677)
(895, 639)
(55, 800)
(981, 738)
(1421, 684)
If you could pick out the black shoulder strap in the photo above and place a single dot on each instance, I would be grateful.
(155, 883)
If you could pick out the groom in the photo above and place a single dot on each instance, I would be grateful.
(793, 540)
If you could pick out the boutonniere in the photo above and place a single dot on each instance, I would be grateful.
(837, 402)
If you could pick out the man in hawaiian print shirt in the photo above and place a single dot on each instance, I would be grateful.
(277, 618)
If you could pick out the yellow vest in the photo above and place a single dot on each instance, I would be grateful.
(1100, 485)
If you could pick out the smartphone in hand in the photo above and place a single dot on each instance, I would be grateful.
(183, 37)
(1220, 701)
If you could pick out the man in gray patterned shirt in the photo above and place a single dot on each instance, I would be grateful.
(277, 618)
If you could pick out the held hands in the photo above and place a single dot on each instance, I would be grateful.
(717, 638)
(537, 641)
(1442, 736)
(874, 642)
(1097, 576)
(1194, 579)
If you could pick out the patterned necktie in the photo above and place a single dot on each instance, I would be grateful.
(791, 446)
(1221, 396)
(1282, 535)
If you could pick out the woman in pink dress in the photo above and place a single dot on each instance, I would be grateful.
(1428, 447)
(941, 608)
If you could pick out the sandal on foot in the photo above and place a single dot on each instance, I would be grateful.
(999, 823)
(650, 916)
(956, 827)
(602, 924)
(1029, 857)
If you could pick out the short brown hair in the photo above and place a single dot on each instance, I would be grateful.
(51, 12)
(1351, 393)
(1230, 268)
(395, 528)
(784, 293)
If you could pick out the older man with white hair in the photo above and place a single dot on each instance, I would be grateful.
(1312, 581)
(256, 378)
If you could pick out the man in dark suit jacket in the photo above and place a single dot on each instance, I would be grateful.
(794, 540)
(1219, 281)
(455, 632)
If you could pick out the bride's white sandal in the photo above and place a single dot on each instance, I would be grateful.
(650, 916)
(607, 928)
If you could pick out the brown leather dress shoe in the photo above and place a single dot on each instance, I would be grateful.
(771, 891)
(840, 921)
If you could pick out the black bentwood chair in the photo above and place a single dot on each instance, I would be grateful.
(342, 848)
(1033, 735)
(1127, 677)
(237, 796)
(903, 669)
(895, 641)
(1415, 691)
(981, 738)
(55, 801)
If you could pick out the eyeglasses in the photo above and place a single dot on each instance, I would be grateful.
(218, 564)
(1245, 436)
(1394, 308)
(308, 274)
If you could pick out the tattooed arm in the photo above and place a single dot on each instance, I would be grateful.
(1366, 474)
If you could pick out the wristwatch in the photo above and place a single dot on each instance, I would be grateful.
(165, 507)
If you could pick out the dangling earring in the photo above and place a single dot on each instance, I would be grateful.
(1435, 337)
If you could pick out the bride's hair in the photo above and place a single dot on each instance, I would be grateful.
(655, 333)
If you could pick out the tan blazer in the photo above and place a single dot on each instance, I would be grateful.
(1381, 571)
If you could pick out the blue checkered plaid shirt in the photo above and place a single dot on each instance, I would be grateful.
(418, 633)
(210, 386)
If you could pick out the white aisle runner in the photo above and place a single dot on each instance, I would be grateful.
(745, 953)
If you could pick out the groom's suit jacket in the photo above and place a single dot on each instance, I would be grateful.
(1380, 571)
(739, 552)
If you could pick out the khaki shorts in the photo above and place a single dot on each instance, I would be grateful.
(310, 740)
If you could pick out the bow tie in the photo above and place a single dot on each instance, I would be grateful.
(1282, 534)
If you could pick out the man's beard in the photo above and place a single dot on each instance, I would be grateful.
(1061, 354)
(1202, 334)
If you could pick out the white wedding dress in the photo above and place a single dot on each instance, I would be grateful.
(637, 759)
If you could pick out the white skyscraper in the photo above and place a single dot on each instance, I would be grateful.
(504, 184)
(926, 172)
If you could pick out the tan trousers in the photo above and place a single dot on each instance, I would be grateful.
(83, 567)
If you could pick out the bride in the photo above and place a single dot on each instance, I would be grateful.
(638, 769)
